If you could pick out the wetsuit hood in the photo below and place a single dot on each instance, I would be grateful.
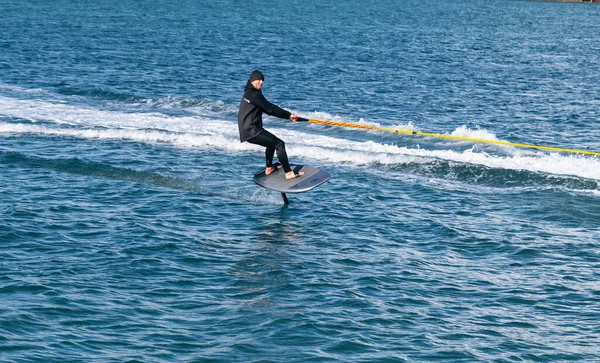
(249, 86)
(256, 75)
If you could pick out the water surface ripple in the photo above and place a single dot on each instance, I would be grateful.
(130, 230)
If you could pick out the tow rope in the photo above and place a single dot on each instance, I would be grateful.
(452, 137)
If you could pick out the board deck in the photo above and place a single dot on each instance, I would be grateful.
(276, 181)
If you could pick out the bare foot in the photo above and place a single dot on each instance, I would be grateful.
(292, 175)
(271, 169)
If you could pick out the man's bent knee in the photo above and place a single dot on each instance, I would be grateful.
(280, 147)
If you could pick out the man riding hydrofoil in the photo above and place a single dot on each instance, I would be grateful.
(250, 124)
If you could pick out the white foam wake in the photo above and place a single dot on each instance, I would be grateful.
(327, 149)
(478, 133)
(197, 132)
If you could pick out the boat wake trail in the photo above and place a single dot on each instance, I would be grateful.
(439, 159)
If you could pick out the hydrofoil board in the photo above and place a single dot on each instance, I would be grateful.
(312, 178)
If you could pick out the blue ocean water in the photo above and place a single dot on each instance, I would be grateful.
(130, 229)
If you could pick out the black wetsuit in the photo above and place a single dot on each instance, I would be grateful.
(250, 124)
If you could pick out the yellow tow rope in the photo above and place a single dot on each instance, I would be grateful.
(442, 136)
